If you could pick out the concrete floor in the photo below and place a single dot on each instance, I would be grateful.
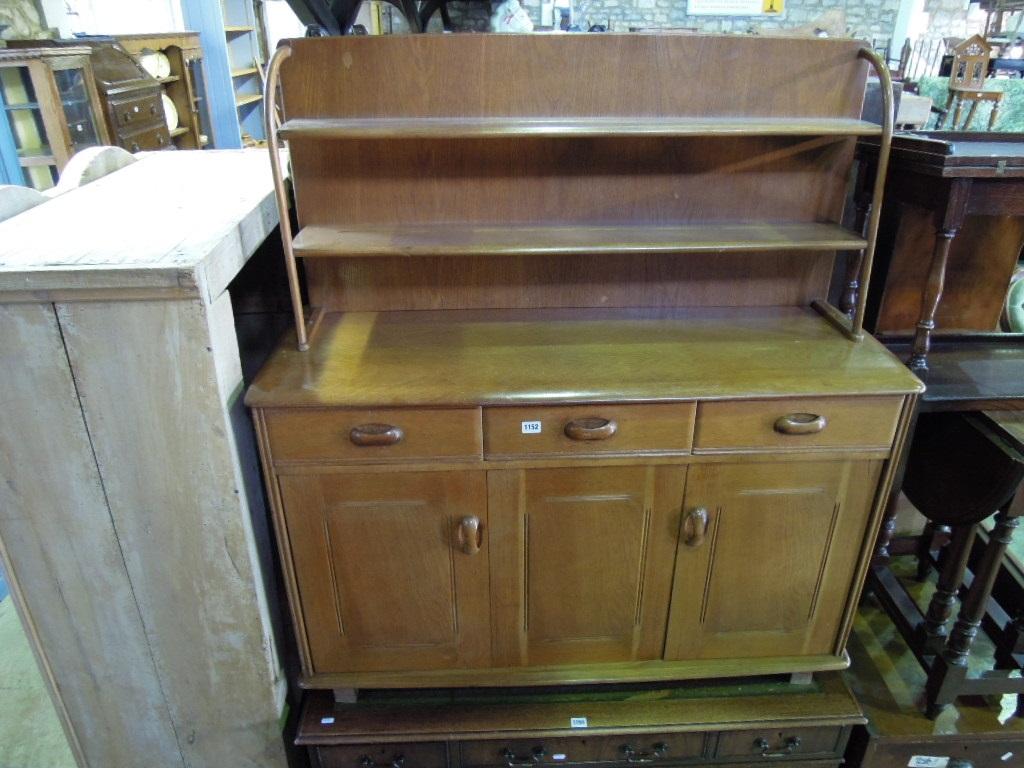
(30, 734)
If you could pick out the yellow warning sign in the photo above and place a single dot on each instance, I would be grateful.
(773, 6)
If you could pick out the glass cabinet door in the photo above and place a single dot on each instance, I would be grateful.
(74, 99)
(22, 111)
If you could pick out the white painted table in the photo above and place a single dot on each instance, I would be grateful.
(131, 516)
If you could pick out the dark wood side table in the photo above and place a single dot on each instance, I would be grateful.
(889, 683)
(954, 203)
(961, 468)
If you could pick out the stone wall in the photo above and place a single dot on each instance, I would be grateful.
(952, 18)
(20, 18)
(866, 19)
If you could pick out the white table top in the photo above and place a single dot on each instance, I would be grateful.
(173, 224)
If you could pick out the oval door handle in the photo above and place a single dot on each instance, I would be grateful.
(632, 756)
(695, 527)
(471, 534)
(792, 745)
(376, 434)
(512, 760)
(591, 428)
(800, 424)
(397, 761)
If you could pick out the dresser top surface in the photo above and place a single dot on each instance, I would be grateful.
(494, 357)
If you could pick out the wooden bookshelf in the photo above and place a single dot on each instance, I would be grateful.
(248, 98)
(554, 239)
(245, 56)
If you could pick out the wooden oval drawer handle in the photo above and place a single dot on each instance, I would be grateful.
(591, 428)
(376, 434)
(800, 424)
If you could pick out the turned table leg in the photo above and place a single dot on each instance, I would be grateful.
(862, 201)
(993, 116)
(950, 669)
(945, 112)
(930, 299)
(848, 302)
(970, 116)
(941, 606)
(957, 111)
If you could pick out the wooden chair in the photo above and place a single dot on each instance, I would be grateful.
(967, 82)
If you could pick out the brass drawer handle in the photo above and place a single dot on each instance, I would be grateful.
(632, 756)
(514, 761)
(800, 424)
(397, 761)
(695, 527)
(471, 534)
(792, 744)
(591, 428)
(376, 434)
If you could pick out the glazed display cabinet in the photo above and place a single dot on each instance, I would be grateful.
(52, 106)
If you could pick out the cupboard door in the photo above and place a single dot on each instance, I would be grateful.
(392, 568)
(770, 574)
(581, 562)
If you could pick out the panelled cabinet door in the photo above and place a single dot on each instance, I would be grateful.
(767, 554)
(581, 562)
(392, 568)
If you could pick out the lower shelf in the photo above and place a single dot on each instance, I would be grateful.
(626, 672)
(519, 239)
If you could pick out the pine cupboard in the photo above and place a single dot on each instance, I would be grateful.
(567, 403)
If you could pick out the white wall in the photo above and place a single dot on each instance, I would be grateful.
(120, 17)
(281, 22)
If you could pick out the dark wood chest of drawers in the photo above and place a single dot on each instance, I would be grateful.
(735, 724)
(134, 110)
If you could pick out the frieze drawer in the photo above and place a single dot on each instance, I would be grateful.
(593, 750)
(797, 424)
(776, 744)
(588, 429)
(414, 755)
(377, 435)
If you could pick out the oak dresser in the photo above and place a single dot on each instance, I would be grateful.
(566, 402)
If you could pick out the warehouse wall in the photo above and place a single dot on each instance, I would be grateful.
(867, 19)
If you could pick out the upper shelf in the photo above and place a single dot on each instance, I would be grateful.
(582, 127)
(469, 240)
